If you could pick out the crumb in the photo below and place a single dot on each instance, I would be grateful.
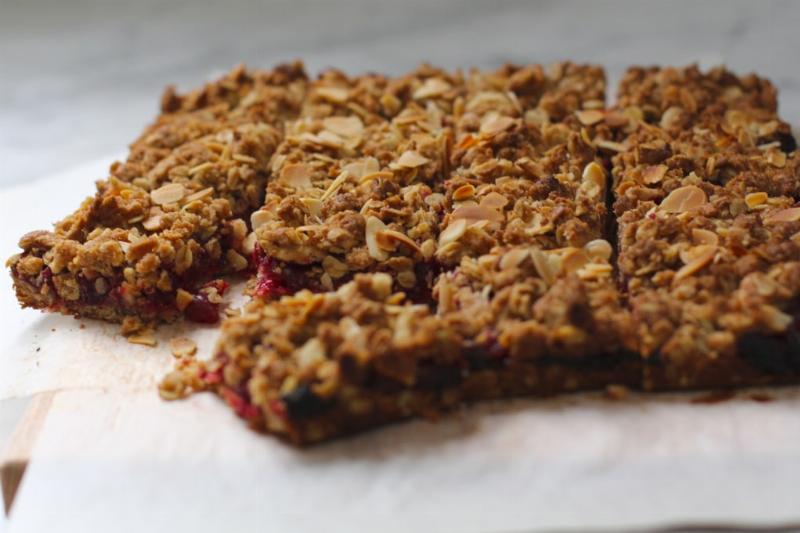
(182, 347)
(761, 397)
(616, 392)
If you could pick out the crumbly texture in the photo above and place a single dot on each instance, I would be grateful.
(422, 241)
(169, 220)
(705, 193)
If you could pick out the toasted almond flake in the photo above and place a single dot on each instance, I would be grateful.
(477, 212)
(388, 240)
(775, 319)
(152, 223)
(595, 271)
(690, 255)
(432, 87)
(337, 95)
(259, 218)
(574, 259)
(249, 243)
(311, 354)
(412, 159)
(588, 117)
(599, 249)
(359, 169)
(183, 299)
(465, 191)
(346, 127)
(594, 173)
(671, 117)
(144, 337)
(453, 232)
(335, 185)
(236, 260)
(297, 175)
(756, 199)
(777, 158)
(683, 199)
(654, 174)
(769, 146)
(697, 257)
(182, 347)
(385, 174)
(704, 236)
(547, 265)
(329, 139)
(537, 117)
(200, 168)
(313, 205)
(243, 158)
(610, 145)
(200, 195)
(373, 226)
(494, 200)
(493, 124)
(168, 194)
(513, 258)
(791, 214)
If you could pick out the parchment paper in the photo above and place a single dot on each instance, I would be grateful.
(111, 456)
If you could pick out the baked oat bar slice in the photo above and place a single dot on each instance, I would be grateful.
(352, 183)
(311, 367)
(172, 218)
(526, 303)
(708, 255)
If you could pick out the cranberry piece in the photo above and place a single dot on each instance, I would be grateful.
(201, 310)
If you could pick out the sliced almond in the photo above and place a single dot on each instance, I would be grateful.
(791, 214)
(236, 260)
(493, 124)
(389, 239)
(704, 236)
(153, 223)
(513, 258)
(547, 265)
(249, 243)
(654, 174)
(494, 200)
(168, 194)
(310, 354)
(375, 225)
(412, 159)
(346, 127)
(588, 117)
(337, 95)
(363, 167)
(574, 259)
(335, 185)
(329, 139)
(465, 191)
(775, 319)
(671, 117)
(259, 218)
(683, 199)
(297, 175)
(596, 174)
(182, 347)
(431, 88)
(599, 249)
(477, 212)
(756, 199)
(453, 232)
(200, 195)
(183, 299)
(777, 158)
(145, 338)
(695, 258)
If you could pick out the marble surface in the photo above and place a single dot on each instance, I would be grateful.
(79, 79)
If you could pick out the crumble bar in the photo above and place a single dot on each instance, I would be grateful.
(171, 219)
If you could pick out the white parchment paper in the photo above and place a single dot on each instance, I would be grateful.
(112, 456)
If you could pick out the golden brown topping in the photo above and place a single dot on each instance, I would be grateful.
(168, 194)
(791, 214)
(182, 347)
(683, 199)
